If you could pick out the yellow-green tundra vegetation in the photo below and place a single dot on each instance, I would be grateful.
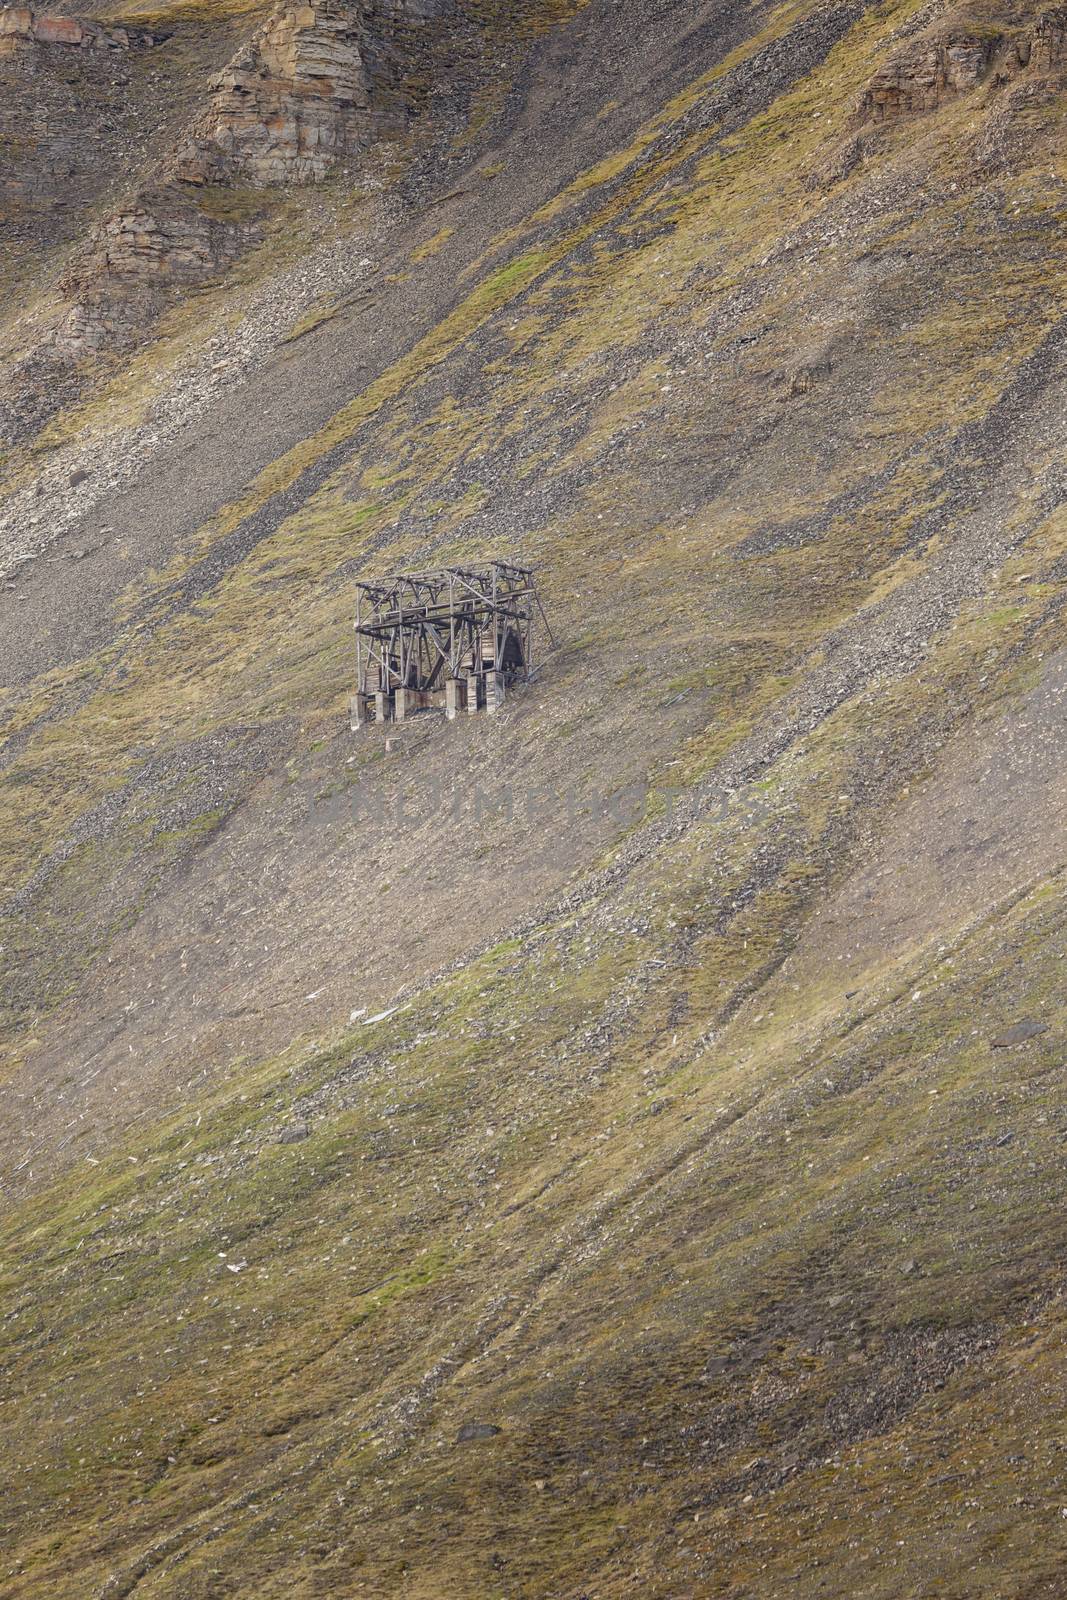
(615, 1148)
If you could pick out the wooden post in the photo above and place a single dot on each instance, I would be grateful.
(360, 685)
(494, 665)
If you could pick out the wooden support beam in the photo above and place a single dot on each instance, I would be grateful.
(448, 639)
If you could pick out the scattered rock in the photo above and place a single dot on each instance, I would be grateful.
(294, 1133)
(909, 1267)
(79, 475)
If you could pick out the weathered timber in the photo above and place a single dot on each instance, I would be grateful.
(457, 638)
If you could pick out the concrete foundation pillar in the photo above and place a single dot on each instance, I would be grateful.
(382, 708)
(472, 693)
(455, 697)
(494, 691)
(402, 704)
(360, 709)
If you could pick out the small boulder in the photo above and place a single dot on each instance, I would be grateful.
(477, 1430)
(1019, 1032)
(294, 1133)
(715, 1366)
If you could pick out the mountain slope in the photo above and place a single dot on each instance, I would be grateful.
(692, 1223)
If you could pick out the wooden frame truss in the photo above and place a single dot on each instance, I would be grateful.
(456, 638)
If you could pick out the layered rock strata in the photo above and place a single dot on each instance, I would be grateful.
(291, 104)
(162, 240)
(1046, 46)
(922, 77)
(938, 67)
(65, 116)
(316, 84)
(23, 31)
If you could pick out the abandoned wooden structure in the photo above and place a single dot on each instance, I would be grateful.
(453, 640)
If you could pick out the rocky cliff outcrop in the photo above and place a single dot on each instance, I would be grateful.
(927, 73)
(940, 65)
(163, 240)
(292, 102)
(23, 31)
(68, 122)
(317, 83)
(1045, 47)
